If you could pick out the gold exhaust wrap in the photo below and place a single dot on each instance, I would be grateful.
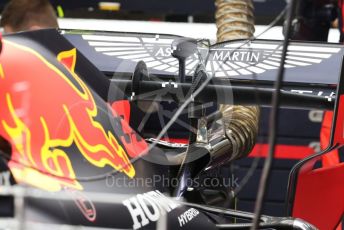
(235, 20)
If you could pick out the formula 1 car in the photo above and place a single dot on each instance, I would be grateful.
(73, 150)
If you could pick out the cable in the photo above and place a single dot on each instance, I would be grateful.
(255, 162)
(273, 122)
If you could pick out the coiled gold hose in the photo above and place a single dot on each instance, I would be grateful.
(235, 20)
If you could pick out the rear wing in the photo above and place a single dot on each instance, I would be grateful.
(312, 69)
(307, 63)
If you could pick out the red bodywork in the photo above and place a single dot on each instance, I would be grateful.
(319, 192)
(45, 109)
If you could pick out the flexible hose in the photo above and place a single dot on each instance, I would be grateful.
(235, 20)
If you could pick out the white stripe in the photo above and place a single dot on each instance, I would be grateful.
(189, 61)
(244, 71)
(271, 63)
(297, 63)
(153, 64)
(256, 69)
(130, 56)
(104, 49)
(191, 66)
(161, 67)
(154, 40)
(116, 44)
(270, 47)
(169, 60)
(252, 46)
(233, 73)
(315, 55)
(148, 59)
(241, 64)
(291, 62)
(304, 59)
(173, 63)
(232, 65)
(220, 74)
(172, 69)
(288, 66)
(226, 67)
(275, 59)
(110, 38)
(264, 66)
(313, 49)
(125, 53)
(300, 58)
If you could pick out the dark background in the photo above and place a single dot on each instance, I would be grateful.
(160, 10)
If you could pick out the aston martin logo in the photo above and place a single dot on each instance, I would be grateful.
(237, 56)
(233, 59)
